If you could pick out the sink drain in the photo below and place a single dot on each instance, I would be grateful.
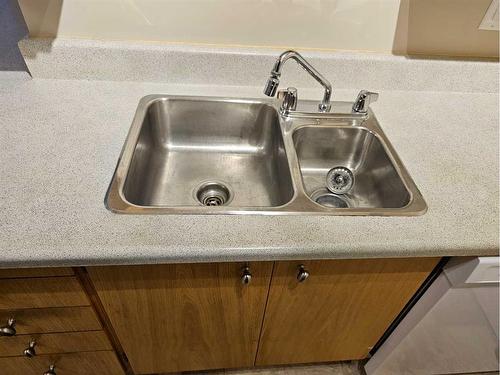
(339, 180)
(213, 194)
(328, 199)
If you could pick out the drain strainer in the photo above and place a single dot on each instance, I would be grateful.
(328, 199)
(213, 193)
(339, 180)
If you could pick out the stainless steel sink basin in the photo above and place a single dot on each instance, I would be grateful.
(187, 148)
(376, 180)
(193, 155)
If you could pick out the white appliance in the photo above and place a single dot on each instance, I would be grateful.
(452, 328)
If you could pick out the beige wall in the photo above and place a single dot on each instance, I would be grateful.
(439, 27)
(444, 27)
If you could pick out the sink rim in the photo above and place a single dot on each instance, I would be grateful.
(299, 203)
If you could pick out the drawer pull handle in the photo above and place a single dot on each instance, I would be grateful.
(9, 329)
(246, 277)
(303, 274)
(51, 371)
(30, 350)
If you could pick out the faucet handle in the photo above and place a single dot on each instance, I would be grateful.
(289, 99)
(363, 101)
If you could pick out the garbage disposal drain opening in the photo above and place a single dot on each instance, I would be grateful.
(328, 199)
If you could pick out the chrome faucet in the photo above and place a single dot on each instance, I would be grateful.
(290, 95)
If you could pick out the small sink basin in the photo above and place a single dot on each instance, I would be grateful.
(199, 152)
(195, 155)
(376, 181)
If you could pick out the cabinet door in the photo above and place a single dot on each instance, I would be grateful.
(339, 312)
(184, 317)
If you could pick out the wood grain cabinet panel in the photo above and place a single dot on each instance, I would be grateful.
(54, 343)
(59, 319)
(89, 363)
(41, 292)
(184, 317)
(339, 311)
(10, 273)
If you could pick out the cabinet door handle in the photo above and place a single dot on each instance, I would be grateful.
(9, 329)
(51, 371)
(303, 274)
(246, 277)
(30, 350)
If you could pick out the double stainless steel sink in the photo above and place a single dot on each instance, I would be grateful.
(197, 155)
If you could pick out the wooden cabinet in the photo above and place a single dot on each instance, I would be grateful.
(200, 316)
(186, 316)
(48, 312)
(339, 312)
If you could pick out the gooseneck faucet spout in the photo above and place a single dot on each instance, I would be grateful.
(274, 79)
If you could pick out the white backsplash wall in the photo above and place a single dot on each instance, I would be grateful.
(332, 24)
(420, 27)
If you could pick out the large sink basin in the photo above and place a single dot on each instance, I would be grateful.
(194, 155)
(188, 147)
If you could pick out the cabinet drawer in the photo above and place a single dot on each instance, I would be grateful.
(11, 273)
(54, 343)
(41, 292)
(102, 363)
(59, 319)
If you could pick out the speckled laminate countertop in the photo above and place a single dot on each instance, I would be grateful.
(60, 141)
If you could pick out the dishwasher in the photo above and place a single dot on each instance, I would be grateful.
(451, 328)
